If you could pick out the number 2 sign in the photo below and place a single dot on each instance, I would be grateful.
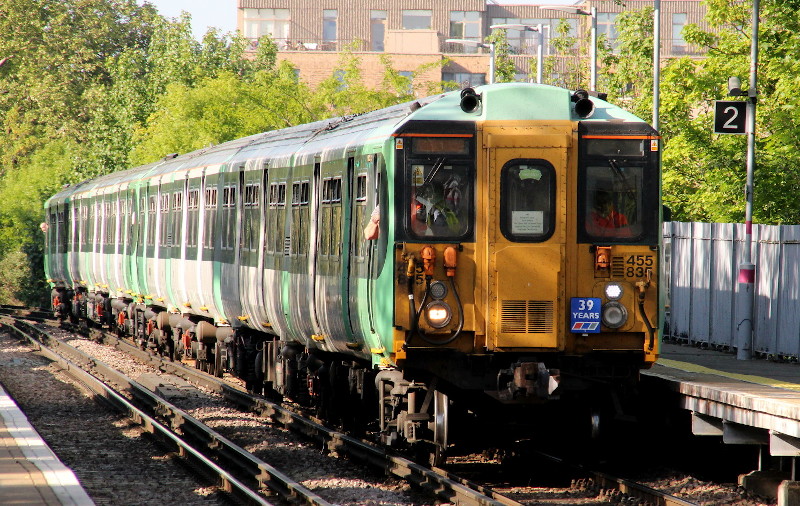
(730, 117)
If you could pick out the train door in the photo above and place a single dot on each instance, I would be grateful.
(364, 199)
(226, 255)
(525, 241)
(351, 254)
(74, 239)
(250, 276)
(134, 225)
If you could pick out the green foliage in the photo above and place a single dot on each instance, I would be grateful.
(504, 68)
(89, 87)
(22, 282)
(570, 71)
(704, 173)
(628, 78)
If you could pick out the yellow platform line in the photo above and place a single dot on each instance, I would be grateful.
(760, 380)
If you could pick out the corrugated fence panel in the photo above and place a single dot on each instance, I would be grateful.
(722, 265)
(701, 251)
(787, 339)
(768, 275)
(681, 290)
(703, 285)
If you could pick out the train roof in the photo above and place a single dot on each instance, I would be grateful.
(331, 137)
(522, 101)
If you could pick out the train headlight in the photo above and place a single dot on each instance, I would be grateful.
(438, 314)
(613, 291)
(614, 315)
(438, 290)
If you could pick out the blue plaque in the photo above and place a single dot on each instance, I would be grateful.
(584, 315)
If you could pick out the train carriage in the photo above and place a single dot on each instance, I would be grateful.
(510, 257)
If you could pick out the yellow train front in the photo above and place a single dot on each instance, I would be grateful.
(526, 258)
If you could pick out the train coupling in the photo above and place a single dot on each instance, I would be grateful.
(527, 380)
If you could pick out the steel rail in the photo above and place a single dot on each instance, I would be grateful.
(205, 440)
(630, 488)
(442, 485)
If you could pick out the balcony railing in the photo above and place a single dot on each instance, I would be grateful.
(519, 48)
(307, 44)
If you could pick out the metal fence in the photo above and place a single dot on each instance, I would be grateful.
(701, 262)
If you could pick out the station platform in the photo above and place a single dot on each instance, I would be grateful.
(30, 473)
(744, 401)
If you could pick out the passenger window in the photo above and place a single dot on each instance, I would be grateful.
(613, 206)
(527, 200)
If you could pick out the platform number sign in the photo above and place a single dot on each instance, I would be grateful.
(584, 315)
(730, 117)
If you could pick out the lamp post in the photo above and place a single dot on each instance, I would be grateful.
(540, 49)
(656, 62)
(490, 46)
(593, 48)
(747, 269)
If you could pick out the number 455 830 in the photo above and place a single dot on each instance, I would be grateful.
(636, 265)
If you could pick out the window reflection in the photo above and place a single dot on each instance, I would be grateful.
(440, 199)
(613, 201)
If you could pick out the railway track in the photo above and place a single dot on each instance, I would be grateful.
(236, 471)
(440, 483)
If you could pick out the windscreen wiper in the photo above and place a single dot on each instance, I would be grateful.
(434, 170)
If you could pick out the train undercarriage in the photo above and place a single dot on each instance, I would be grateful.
(425, 406)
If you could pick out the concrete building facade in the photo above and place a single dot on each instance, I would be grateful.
(415, 32)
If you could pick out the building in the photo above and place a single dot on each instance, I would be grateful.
(415, 32)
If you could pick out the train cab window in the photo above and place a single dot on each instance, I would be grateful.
(613, 205)
(527, 200)
(441, 194)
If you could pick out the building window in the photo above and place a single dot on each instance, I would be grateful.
(417, 19)
(466, 25)
(329, 25)
(606, 25)
(410, 76)
(679, 45)
(377, 29)
(272, 22)
(464, 78)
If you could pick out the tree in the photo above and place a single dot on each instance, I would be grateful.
(568, 70)
(504, 68)
(704, 173)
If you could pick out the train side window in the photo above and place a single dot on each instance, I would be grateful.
(164, 239)
(527, 200)
(299, 241)
(151, 221)
(177, 219)
(228, 217)
(275, 216)
(210, 219)
(193, 208)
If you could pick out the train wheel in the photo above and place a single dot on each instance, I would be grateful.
(441, 420)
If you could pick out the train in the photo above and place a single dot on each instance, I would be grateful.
(473, 255)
